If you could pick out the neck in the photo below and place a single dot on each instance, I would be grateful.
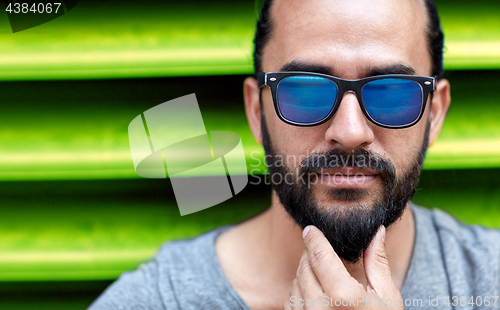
(264, 252)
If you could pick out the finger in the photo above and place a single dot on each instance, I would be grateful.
(376, 264)
(295, 301)
(310, 288)
(327, 266)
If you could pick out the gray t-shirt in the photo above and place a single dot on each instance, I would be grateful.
(454, 266)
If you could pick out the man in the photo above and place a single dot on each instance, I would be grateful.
(350, 97)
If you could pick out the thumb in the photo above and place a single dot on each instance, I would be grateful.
(376, 264)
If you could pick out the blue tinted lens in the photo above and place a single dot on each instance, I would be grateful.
(393, 102)
(306, 99)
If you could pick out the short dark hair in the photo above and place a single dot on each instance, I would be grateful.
(435, 37)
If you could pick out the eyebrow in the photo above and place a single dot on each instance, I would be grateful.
(372, 71)
(306, 67)
(394, 69)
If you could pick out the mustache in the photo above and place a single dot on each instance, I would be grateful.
(340, 158)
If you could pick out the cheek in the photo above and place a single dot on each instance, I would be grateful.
(293, 142)
(401, 146)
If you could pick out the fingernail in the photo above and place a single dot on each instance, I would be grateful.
(306, 230)
(369, 288)
(382, 233)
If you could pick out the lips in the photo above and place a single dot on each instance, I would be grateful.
(347, 177)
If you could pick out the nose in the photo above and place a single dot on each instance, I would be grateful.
(349, 127)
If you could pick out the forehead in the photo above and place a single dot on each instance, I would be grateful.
(348, 36)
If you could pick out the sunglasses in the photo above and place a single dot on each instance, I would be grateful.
(310, 99)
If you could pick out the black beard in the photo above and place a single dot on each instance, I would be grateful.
(348, 229)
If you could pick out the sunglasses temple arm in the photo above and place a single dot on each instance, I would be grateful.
(262, 79)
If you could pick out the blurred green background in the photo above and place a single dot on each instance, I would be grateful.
(73, 213)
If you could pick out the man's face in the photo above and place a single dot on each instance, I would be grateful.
(349, 39)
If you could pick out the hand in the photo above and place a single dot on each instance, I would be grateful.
(323, 282)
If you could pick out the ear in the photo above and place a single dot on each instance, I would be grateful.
(252, 107)
(439, 108)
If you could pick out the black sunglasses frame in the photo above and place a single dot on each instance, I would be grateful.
(272, 80)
